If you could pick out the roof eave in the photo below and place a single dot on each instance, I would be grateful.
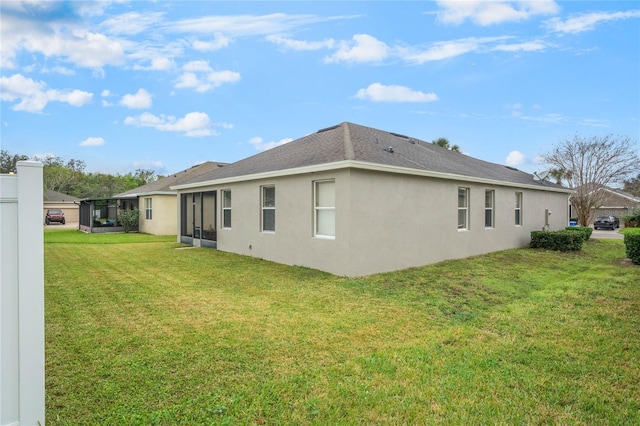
(363, 166)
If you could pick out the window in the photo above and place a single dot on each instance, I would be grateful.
(226, 209)
(147, 208)
(518, 208)
(324, 205)
(463, 208)
(269, 209)
(489, 197)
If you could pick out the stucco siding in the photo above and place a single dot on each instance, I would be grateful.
(293, 242)
(384, 221)
(405, 221)
(164, 215)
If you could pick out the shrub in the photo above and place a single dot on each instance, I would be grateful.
(557, 240)
(631, 220)
(129, 219)
(632, 245)
(586, 231)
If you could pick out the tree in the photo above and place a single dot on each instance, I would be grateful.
(444, 143)
(60, 176)
(8, 161)
(632, 186)
(588, 164)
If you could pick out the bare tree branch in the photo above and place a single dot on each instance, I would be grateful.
(588, 164)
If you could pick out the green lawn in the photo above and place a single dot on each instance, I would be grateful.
(142, 331)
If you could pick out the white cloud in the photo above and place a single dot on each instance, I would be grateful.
(261, 145)
(91, 141)
(449, 49)
(140, 100)
(515, 158)
(484, 12)
(199, 76)
(105, 93)
(363, 48)
(219, 42)
(193, 124)
(34, 95)
(155, 64)
(202, 66)
(529, 46)
(248, 25)
(587, 21)
(301, 44)
(59, 70)
(377, 92)
(131, 23)
(148, 164)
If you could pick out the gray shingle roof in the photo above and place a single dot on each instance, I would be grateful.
(59, 197)
(164, 184)
(348, 141)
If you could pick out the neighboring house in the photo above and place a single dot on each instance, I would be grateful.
(353, 200)
(614, 202)
(156, 201)
(57, 200)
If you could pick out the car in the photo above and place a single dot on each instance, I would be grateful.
(610, 222)
(54, 215)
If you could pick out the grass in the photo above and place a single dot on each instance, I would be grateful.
(139, 331)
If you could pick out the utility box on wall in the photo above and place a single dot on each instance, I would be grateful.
(22, 400)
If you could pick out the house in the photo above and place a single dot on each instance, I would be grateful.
(613, 202)
(156, 201)
(352, 200)
(65, 202)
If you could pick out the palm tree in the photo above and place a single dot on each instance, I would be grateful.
(444, 143)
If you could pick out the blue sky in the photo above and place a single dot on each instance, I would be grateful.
(166, 85)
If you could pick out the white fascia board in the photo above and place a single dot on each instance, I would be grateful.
(364, 166)
(145, 194)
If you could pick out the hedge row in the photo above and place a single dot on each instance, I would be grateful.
(585, 230)
(632, 244)
(557, 240)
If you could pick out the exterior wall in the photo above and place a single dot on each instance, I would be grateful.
(71, 211)
(384, 221)
(406, 221)
(164, 216)
(293, 242)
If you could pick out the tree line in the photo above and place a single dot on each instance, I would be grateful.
(69, 177)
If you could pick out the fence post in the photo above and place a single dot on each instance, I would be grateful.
(22, 400)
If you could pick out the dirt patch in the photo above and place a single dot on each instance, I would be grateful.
(628, 262)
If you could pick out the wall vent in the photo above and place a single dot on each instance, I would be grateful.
(388, 149)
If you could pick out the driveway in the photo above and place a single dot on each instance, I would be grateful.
(606, 233)
(68, 225)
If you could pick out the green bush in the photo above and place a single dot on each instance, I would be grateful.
(632, 245)
(557, 240)
(129, 219)
(586, 231)
(631, 220)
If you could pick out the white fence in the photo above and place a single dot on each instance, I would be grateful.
(22, 297)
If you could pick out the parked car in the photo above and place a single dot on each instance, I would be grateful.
(610, 222)
(54, 215)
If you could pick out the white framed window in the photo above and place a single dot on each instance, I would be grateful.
(489, 211)
(463, 208)
(226, 209)
(518, 218)
(324, 208)
(268, 209)
(148, 208)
